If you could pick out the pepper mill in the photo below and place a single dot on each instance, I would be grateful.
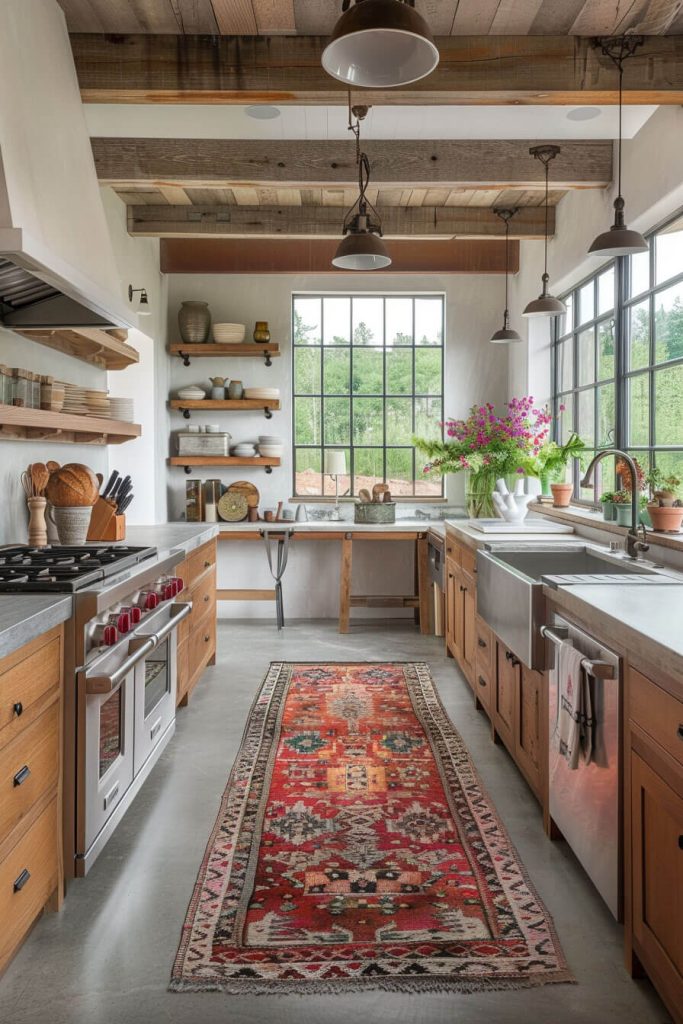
(37, 526)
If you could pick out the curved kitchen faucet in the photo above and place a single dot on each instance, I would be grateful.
(633, 543)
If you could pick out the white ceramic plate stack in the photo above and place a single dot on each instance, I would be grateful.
(122, 409)
(245, 450)
(270, 446)
(193, 393)
(229, 334)
(262, 393)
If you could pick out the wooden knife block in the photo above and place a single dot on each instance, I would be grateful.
(105, 523)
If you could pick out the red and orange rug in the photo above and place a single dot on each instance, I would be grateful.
(356, 848)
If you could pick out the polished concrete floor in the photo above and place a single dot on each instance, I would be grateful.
(107, 957)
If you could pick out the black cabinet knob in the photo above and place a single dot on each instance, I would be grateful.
(680, 842)
(18, 708)
(482, 643)
(680, 732)
(482, 681)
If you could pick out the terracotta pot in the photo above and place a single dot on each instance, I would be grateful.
(667, 520)
(562, 494)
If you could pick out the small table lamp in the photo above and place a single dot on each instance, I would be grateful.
(335, 465)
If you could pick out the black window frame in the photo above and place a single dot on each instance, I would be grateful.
(322, 395)
(624, 302)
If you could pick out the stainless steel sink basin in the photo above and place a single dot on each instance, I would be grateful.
(510, 584)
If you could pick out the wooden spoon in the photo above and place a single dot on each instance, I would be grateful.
(40, 475)
(52, 466)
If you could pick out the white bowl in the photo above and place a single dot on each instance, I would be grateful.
(229, 333)
(270, 453)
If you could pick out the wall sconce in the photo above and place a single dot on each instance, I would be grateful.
(143, 302)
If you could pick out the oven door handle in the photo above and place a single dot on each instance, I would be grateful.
(179, 612)
(106, 683)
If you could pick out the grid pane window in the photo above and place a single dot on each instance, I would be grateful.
(368, 375)
(637, 358)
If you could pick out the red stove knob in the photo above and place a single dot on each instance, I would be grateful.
(123, 622)
(168, 591)
(180, 584)
(109, 635)
(135, 615)
(151, 601)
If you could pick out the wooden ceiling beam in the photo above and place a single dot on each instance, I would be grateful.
(326, 222)
(314, 256)
(459, 163)
(494, 69)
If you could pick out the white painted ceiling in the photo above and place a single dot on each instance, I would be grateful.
(390, 122)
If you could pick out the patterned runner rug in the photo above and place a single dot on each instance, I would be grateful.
(355, 848)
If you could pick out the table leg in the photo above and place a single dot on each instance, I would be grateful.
(423, 587)
(345, 584)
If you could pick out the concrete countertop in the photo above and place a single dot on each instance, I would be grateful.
(326, 526)
(166, 537)
(643, 623)
(475, 539)
(23, 617)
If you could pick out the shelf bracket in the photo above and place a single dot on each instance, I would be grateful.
(188, 469)
(266, 356)
(268, 469)
(185, 358)
(267, 413)
(186, 414)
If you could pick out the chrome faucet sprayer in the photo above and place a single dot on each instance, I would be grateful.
(634, 545)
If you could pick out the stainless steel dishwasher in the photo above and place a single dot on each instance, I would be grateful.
(585, 803)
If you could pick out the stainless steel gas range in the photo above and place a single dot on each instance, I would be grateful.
(120, 675)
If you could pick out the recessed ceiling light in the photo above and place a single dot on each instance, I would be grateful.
(583, 113)
(262, 112)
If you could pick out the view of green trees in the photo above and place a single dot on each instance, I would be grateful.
(361, 382)
(654, 372)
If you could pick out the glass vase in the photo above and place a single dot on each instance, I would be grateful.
(479, 487)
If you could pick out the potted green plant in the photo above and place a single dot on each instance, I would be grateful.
(622, 507)
(551, 463)
(665, 508)
(608, 507)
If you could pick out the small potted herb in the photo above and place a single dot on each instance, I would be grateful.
(608, 507)
(665, 507)
(622, 507)
(552, 461)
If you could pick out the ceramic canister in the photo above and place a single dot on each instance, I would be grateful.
(72, 523)
(194, 322)
(235, 389)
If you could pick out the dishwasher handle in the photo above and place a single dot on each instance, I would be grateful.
(596, 669)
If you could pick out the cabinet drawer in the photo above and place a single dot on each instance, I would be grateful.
(468, 561)
(486, 647)
(202, 643)
(657, 713)
(28, 876)
(25, 684)
(203, 597)
(199, 561)
(482, 684)
(29, 767)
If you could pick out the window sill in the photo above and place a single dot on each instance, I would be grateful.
(577, 515)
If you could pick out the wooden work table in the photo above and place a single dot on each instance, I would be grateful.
(346, 534)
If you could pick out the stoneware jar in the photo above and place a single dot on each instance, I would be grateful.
(194, 322)
(235, 389)
(261, 332)
(72, 523)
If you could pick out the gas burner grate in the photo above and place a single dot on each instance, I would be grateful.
(63, 568)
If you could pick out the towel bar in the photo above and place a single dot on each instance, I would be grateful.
(597, 669)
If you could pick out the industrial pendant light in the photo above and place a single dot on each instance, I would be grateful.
(378, 44)
(546, 304)
(619, 240)
(362, 247)
(505, 334)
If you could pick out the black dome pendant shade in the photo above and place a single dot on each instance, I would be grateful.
(506, 334)
(546, 304)
(362, 247)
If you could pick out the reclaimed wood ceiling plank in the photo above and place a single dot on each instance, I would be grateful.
(195, 17)
(274, 17)
(515, 17)
(474, 17)
(235, 17)
(211, 196)
(642, 17)
(316, 18)
(175, 196)
(554, 18)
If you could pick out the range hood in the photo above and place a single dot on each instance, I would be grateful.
(57, 266)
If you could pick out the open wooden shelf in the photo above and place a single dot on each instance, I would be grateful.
(260, 462)
(19, 424)
(106, 349)
(249, 349)
(229, 404)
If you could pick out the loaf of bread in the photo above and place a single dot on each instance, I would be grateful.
(71, 486)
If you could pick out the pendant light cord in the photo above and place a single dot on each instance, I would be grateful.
(506, 216)
(619, 49)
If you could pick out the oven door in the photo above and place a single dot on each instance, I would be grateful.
(155, 682)
(108, 755)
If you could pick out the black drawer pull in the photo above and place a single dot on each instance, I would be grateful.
(512, 658)
(482, 643)
(680, 842)
(207, 564)
(18, 708)
(206, 638)
(21, 881)
(463, 590)
(680, 732)
(482, 681)
(22, 775)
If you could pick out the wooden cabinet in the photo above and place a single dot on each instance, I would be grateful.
(519, 717)
(452, 577)
(461, 607)
(31, 875)
(654, 837)
(197, 632)
(505, 694)
(484, 664)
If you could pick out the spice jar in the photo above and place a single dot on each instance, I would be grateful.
(5, 387)
(21, 395)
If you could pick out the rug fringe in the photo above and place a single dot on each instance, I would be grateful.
(443, 986)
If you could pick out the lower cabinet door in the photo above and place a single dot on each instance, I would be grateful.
(469, 631)
(451, 607)
(505, 695)
(531, 720)
(657, 880)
